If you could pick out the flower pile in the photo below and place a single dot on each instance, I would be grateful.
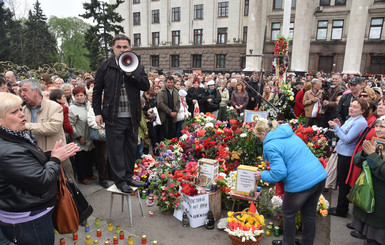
(315, 140)
(246, 225)
(284, 102)
(281, 48)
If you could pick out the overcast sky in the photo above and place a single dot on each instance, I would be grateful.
(59, 8)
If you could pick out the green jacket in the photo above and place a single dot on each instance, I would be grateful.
(142, 128)
(377, 168)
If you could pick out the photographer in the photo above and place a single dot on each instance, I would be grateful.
(329, 104)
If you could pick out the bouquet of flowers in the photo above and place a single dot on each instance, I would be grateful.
(314, 139)
(284, 101)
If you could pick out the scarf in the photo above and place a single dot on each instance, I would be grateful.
(19, 134)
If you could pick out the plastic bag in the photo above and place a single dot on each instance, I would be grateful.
(362, 193)
(196, 109)
(316, 108)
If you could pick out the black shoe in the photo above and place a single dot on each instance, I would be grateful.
(125, 188)
(104, 184)
(277, 242)
(357, 234)
(134, 183)
(333, 211)
(350, 226)
(298, 242)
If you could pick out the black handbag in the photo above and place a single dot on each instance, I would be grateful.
(84, 208)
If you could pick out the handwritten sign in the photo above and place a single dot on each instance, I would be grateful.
(195, 207)
(246, 182)
(209, 168)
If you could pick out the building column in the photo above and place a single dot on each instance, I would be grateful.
(303, 29)
(355, 39)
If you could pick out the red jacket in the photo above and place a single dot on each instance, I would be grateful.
(66, 122)
(298, 106)
(354, 171)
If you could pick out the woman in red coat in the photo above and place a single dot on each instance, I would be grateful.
(298, 106)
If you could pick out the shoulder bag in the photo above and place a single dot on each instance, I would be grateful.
(65, 216)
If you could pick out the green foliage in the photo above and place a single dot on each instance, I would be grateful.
(39, 43)
(5, 19)
(71, 33)
(105, 17)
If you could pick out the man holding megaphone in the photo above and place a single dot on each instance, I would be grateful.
(116, 102)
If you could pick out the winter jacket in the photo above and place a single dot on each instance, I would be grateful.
(109, 78)
(142, 128)
(195, 94)
(224, 97)
(291, 161)
(377, 169)
(298, 106)
(28, 179)
(163, 107)
(308, 103)
(215, 97)
(239, 99)
(78, 115)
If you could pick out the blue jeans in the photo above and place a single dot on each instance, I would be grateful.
(139, 150)
(305, 201)
(3, 240)
(179, 128)
(35, 232)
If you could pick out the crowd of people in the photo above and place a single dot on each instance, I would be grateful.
(135, 111)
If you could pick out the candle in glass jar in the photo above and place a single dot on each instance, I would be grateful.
(109, 226)
(86, 228)
(98, 232)
(276, 231)
(75, 236)
(130, 240)
(121, 235)
(144, 239)
(88, 239)
(117, 229)
(97, 221)
(62, 241)
(115, 239)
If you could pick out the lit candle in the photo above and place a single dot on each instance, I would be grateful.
(86, 228)
(75, 236)
(121, 235)
(98, 232)
(144, 239)
(130, 240)
(88, 239)
(110, 227)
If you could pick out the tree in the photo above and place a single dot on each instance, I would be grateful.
(5, 19)
(40, 44)
(98, 37)
(70, 32)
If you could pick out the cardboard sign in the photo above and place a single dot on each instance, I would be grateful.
(195, 207)
(246, 182)
(209, 168)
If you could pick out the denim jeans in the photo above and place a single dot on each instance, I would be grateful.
(306, 202)
(3, 240)
(35, 232)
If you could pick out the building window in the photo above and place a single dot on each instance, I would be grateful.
(340, 2)
(136, 18)
(175, 14)
(379, 1)
(137, 40)
(243, 62)
(175, 60)
(198, 12)
(376, 28)
(246, 10)
(223, 9)
(135, 1)
(293, 3)
(155, 16)
(155, 60)
(221, 61)
(244, 34)
(291, 31)
(196, 61)
(155, 39)
(275, 30)
(175, 37)
(337, 28)
(198, 34)
(222, 35)
(324, 2)
(322, 29)
(277, 4)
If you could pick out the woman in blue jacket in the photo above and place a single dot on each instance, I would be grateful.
(348, 135)
(292, 162)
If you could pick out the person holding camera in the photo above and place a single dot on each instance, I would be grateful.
(150, 103)
(329, 104)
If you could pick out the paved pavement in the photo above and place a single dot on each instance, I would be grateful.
(168, 230)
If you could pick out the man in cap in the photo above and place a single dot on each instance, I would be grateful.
(355, 86)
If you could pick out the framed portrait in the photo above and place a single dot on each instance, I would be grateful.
(253, 116)
(380, 147)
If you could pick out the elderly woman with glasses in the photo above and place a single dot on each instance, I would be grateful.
(28, 178)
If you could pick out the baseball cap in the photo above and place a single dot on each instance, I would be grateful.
(211, 82)
(355, 81)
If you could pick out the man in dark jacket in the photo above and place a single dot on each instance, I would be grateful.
(254, 98)
(342, 112)
(120, 110)
(168, 107)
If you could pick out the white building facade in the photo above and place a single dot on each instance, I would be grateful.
(217, 35)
